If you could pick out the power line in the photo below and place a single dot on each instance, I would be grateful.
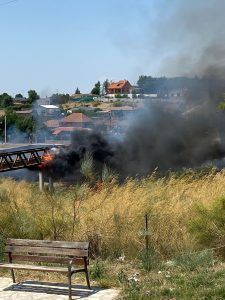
(8, 2)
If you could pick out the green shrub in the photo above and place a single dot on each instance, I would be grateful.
(192, 261)
(87, 167)
(132, 291)
(208, 225)
(98, 269)
(149, 260)
(118, 104)
(108, 175)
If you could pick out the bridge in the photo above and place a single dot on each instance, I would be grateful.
(27, 158)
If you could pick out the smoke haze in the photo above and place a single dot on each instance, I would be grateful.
(188, 40)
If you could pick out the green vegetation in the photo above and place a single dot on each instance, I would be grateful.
(120, 96)
(122, 103)
(96, 89)
(118, 104)
(88, 113)
(105, 86)
(5, 100)
(32, 96)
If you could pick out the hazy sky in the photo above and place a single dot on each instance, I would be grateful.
(58, 45)
(51, 45)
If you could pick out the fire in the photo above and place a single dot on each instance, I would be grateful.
(46, 159)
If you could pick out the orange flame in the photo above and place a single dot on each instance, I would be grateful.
(46, 158)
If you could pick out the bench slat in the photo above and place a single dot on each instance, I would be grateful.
(47, 243)
(46, 250)
(47, 259)
(34, 268)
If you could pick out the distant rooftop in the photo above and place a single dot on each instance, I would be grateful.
(69, 129)
(49, 106)
(77, 118)
(52, 123)
(118, 85)
(20, 112)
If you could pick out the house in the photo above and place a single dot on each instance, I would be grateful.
(48, 110)
(53, 123)
(121, 87)
(24, 113)
(44, 101)
(65, 133)
(122, 112)
(77, 120)
(19, 100)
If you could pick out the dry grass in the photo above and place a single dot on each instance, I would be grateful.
(112, 215)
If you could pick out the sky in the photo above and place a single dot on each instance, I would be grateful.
(58, 45)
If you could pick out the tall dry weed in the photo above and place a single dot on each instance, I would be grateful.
(113, 216)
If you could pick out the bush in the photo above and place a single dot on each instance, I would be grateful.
(98, 269)
(87, 167)
(208, 225)
(149, 260)
(120, 96)
(118, 104)
(96, 103)
(191, 261)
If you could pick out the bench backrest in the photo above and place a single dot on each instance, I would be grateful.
(45, 251)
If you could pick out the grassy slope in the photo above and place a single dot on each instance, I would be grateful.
(112, 217)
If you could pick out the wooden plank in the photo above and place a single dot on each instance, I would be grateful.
(46, 250)
(34, 268)
(47, 259)
(47, 243)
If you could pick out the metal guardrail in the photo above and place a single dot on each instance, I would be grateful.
(22, 159)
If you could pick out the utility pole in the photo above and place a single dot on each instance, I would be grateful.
(5, 131)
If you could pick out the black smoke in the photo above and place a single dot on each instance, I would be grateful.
(187, 40)
(156, 138)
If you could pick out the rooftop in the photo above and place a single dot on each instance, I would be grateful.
(118, 85)
(52, 123)
(28, 111)
(68, 129)
(49, 106)
(77, 118)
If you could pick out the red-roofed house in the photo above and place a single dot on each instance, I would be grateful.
(120, 87)
(53, 123)
(77, 120)
(65, 133)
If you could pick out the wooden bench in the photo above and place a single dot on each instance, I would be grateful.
(64, 254)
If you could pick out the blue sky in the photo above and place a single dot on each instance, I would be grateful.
(51, 45)
(58, 45)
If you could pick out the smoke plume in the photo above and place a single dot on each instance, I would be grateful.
(188, 39)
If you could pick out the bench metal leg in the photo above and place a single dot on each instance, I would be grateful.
(70, 282)
(13, 276)
(86, 273)
(12, 271)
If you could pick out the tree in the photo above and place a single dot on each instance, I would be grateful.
(19, 96)
(26, 124)
(97, 89)
(32, 96)
(77, 92)
(6, 100)
(105, 86)
(60, 98)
